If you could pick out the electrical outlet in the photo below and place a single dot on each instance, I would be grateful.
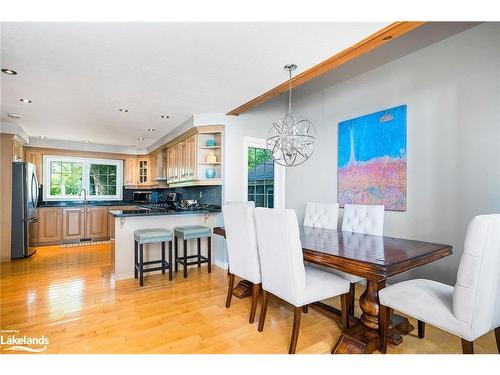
(201, 194)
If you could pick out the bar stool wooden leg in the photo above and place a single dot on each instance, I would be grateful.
(176, 255)
(185, 260)
(135, 260)
(141, 265)
(209, 239)
(170, 260)
(199, 252)
(163, 256)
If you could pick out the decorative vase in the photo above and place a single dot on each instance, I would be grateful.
(211, 158)
(210, 142)
(210, 173)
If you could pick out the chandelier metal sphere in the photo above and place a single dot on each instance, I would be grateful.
(291, 139)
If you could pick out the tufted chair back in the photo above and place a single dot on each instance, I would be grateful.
(322, 215)
(241, 240)
(476, 298)
(280, 252)
(363, 219)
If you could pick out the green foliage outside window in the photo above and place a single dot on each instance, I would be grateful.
(102, 179)
(65, 178)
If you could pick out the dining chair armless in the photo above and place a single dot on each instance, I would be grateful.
(241, 242)
(366, 219)
(469, 309)
(284, 273)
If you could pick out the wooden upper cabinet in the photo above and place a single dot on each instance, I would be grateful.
(17, 151)
(191, 158)
(96, 222)
(143, 171)
(152, 168)
(181, 160)
(129, 171)
(73, 223)
(35, 157)
(49, 228)
(173, 167)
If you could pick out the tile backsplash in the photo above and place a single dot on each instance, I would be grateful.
(209, 194)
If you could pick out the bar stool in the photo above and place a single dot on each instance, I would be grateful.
(147, 236)
(191, 232)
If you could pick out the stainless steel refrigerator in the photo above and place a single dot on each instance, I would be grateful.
(24, 201)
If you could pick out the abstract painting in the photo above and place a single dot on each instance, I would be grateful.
(372, 159)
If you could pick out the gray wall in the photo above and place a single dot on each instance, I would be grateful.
(452, 90)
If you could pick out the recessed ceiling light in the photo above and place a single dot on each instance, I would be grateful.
(151, 129)
(123, 110)
(86, 141)
(141, 139)
(25, 100)
(9, 72)
(42, 137)
(132, 145)
(165, 116)
(13, 115)
(389, 37)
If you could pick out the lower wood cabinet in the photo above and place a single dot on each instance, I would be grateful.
(96, 222)
(49, 227)
(73, 224)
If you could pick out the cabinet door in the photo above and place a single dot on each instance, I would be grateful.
(152, 168)
(191, 158)
(143, 171)
(170, 164)
(174, 163)
(73, 223)
(18, 152)
(181, 161)
(96, 222)
(129, 171)
(49, 226)
(35, 157)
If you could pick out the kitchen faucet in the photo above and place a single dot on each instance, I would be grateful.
(84, 195)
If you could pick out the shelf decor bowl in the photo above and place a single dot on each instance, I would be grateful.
(210, 173)
(210, 142)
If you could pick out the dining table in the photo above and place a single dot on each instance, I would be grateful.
(374, 258)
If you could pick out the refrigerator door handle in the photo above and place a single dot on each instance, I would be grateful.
(34, 184)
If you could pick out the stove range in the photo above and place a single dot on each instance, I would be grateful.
(158, 206)
(174, 207)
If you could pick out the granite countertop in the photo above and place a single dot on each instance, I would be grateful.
(89, 203)
(163, 212)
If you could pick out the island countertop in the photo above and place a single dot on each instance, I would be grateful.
(162, 212)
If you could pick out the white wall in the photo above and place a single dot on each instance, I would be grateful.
(452, 90)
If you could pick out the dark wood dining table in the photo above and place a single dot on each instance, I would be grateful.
(374, 258)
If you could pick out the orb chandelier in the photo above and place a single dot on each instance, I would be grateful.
(291, 139)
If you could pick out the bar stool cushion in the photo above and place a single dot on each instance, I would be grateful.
(189, 232)
(143, 236)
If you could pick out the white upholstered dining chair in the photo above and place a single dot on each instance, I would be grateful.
(321, 215)
(358, 218)
(284, 273)
(468, 310)
(241, 242)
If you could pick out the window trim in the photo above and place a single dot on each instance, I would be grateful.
(279, 173)
(85, 178)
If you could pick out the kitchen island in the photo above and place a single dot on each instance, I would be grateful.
(124, 222)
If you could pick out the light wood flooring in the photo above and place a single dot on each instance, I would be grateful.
(70, 296)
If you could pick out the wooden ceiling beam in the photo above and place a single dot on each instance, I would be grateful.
(375, 40)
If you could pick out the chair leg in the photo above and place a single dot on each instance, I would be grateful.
(467, 347)
(136, 274)
(141, 264)
(345, 303)
(497, 338)
(199, 252)
(384, 321)
(170, 260)
(263, 310)
(209, 239)
(255, 301)
(176, 254)
(305, 309)
(185, 259)
(163, 256)
(230, 290)
(352, 300)
(421, 329)
(295, 330)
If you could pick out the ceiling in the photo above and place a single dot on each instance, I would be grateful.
(78, 75)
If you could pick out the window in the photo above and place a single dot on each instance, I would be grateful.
(260, 177)
(65, 177)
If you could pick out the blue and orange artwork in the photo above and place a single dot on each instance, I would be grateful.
(372, 159)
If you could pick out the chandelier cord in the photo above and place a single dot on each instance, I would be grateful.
(290, 90)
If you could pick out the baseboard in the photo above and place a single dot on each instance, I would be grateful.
(221, 264)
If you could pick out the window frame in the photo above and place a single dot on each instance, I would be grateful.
(86, 162)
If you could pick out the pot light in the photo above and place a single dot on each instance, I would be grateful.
(9, 72)
(141, 139)
(86, 141)
(13, 115)
(389, 37)
(42, 137)
(151, 129)
(24, 100)
(165, 116)
(123, 110)
(133, 145)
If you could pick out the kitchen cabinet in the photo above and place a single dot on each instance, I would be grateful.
(129, 171)
(190, 158)
(49, 227)
(36, 158)
(173, 164)
(17, 151)
(96, 222)
(73, 224)
(152, 169)
(143, 171)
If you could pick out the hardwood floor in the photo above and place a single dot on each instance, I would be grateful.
(69, 295)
